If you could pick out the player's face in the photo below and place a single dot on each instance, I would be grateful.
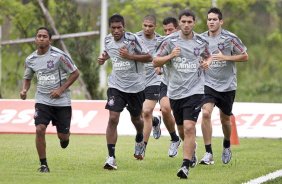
(213, 22)
(186, 24)
(117, 30)
(148, 28)
(42, 39)
(169, 28)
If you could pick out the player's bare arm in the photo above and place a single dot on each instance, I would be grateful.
(236, 58)
(102, 58)
(25, 88)
(56, 93)
(161, 60)
(206, 62)
(144, 58)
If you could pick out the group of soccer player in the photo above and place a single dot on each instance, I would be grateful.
(184, 71)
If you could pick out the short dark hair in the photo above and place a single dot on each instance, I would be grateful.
(116, 18)
(150, 18)
(45, 28)
(169, 20)
(187, 13)
(216, 11)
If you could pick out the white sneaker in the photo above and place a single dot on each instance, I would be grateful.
(139, 153)
(183, 173)
(207, 159)
(226, 155)
(110, 163)
(173, 148)
(194, 160)
(157, 129)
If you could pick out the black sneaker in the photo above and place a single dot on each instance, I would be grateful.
(64, 144)
(44, 169)
(183, 172)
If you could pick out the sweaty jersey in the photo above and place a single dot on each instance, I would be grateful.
(51, 70)
(185, 76)
(127, 75)
(151, 76)
(221, 75)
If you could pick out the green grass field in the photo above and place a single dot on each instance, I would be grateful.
(82, 161)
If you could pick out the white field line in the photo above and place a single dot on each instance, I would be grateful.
(265, 178)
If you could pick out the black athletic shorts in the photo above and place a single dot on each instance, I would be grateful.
(118, 100)
(60, 116)
(187, 108)
(152, 92)
(163, 90)
(223, 100)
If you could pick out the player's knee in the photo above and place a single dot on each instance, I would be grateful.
(166, 110)
(206, 114)
(40, 129)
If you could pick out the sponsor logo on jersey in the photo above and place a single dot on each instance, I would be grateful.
(184, 65)
(120, 65)
(218, 64)
(44, 79)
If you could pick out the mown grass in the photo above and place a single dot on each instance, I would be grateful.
(82, 161)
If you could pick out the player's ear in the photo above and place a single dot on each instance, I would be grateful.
(221, 22)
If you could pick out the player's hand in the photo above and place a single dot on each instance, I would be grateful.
(123, 52)
(56, 93)
(23, 94)
(218, 56)
(175, 52)
(205, 63)
(159, 70)
(102, 58)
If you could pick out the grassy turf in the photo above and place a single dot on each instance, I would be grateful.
(82, 161)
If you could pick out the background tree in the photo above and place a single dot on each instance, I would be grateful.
(258, 23)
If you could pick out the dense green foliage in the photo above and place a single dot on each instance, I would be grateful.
(258, 23)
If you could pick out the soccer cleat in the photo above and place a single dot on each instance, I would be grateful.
(43, 169)
(226, 155)
(139, 150)
(173, 148)
(110, 163)
(157, 129)
(194, 160)
(64, 144)
(207, 159)
(183, 172)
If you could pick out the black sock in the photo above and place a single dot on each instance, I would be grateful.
(43, 161)
(208, 148)
(139, 137)
(186, 163)
(174, 137)
(226, 143)
(111, 150)
(155, 121)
